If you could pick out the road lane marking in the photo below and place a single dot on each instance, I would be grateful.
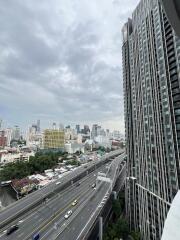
(2, 234)
(64, 224)
(82, 190)
(20, 234)
(78, 211)
(40, 219)
(57, 215)
(38, 199)
(86, 224)
(54, 199)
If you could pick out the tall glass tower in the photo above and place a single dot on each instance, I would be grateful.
(151, 73)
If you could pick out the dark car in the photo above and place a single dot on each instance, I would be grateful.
(36, 236)
(78, 184)
(12, 229)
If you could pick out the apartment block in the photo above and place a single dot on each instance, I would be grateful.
(53, 139)
(151, 78)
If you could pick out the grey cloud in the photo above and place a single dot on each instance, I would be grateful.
(61, 62)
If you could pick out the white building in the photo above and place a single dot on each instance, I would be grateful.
(79, 139)
(103, 141)
(70, 134)
(73, 147)
(9, 135)
(34, 138)
(6, 157)
(16, 133)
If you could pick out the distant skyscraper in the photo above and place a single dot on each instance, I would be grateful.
(16, 133)
(151, 66)
(102, 132)
(78, 128)
(86, 129)
(94, 131)
(107, 132)
(61, 126)
(98, 130)
(9, 135)
(38, 126)
(54, 125)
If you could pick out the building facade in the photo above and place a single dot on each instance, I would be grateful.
(151, 78)
(16, 133)
(9, 135)
(94, 132)
(53, 139)
(3, 139)
(7, 157)
(78, 130)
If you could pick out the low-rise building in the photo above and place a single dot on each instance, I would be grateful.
(8, 157)
(25, 185)
(74, 147)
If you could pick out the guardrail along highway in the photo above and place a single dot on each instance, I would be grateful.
(80, 196)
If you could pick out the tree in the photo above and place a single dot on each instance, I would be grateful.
(116, 206)
(37, 164)
(122, 228)
(136, 235)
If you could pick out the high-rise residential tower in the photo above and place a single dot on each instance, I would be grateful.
(151, 73)
(94, 131)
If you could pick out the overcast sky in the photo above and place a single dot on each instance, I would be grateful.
(60, 61)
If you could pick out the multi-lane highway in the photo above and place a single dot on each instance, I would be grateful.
(30, 201)
(50, 213)
(77, 224)
(47, 218)
(77, 227)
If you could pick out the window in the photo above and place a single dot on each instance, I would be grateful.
(178, 126)
(177, 111)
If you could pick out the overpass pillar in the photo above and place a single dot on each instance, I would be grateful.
(100, 228)
(114, 195)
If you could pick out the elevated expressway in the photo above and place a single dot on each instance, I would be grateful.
(43, 211)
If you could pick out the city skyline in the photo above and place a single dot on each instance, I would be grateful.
(43, 73)
(24, 128)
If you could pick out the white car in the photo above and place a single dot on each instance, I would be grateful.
(58, 183)
(75, 202)
(68, 214)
